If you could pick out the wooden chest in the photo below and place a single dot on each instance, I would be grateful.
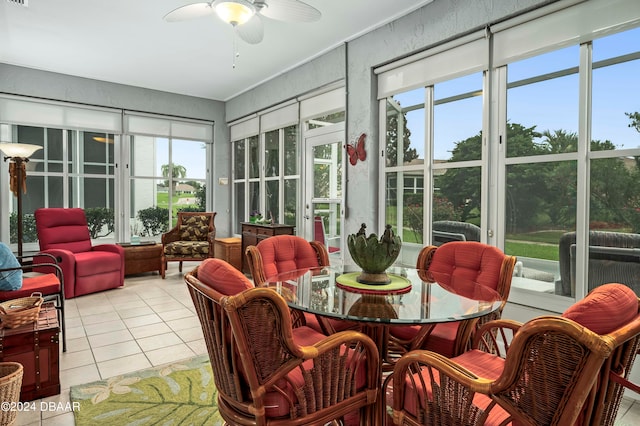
(36, 347)
(253, 233)
(144, 257)
(229, 250)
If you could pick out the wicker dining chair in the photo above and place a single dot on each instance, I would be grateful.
(283, 253)
(552, 370)
(467, 260)
(269, 373)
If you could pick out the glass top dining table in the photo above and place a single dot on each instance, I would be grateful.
(413, 297)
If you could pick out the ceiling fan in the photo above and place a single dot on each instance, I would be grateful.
(246, 15)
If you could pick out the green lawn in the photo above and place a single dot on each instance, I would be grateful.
(537, 251)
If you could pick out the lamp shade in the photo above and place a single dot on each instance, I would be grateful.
(22, 150)
(234, 12)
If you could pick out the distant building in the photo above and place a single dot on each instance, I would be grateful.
(183, 188)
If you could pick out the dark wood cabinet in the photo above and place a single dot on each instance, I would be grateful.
(253, 233)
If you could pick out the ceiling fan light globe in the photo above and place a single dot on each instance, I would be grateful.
(234, 12)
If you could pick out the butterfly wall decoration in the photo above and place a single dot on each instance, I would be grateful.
(357, 152)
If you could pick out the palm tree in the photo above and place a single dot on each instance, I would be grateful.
(177, 172)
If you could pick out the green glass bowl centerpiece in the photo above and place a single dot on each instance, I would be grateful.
(374, 255)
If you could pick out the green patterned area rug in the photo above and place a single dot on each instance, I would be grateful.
(182, 393)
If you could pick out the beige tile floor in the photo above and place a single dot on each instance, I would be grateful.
(148, 322)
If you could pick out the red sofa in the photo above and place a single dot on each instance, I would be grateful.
(87, 269)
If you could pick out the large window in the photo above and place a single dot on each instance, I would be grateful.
(167, 176)
(272, 190)
(545, 161)
(156, 169)
(74, 168)
(541, 178)
(451, 142)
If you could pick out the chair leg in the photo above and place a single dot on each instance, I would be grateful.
(180, 267)
(63, 322)
(59, 305)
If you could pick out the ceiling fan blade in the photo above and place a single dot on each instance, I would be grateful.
(190, 11)
(288, 10)
(251, 31)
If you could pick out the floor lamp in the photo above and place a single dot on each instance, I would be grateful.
(18, 154)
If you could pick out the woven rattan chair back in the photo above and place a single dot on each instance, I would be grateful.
(336, 376)
(221, 347)
(614, 376)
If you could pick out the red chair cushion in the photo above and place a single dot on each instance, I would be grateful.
(44, 283)
(467, 261)
(442, 338)
(91, 263)
(222, 277)
(605, 309)
(286, 253)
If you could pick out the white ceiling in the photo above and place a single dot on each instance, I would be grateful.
(128, 42)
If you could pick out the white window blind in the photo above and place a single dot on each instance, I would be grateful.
(443, 63)
(168, 127)
(244, 129)
(41, 113)
(279, 118)
(572, 25)
(332, 100)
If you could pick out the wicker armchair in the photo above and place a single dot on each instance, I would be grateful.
(268, 373)
(284, 253)
(613, 257)
(468, 260)
(552, 370)
(192, 238)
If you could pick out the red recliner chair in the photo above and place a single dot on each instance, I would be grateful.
(87, 269)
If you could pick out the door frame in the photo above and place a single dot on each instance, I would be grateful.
(312, 138)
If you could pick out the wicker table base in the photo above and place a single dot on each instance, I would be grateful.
(140, 258)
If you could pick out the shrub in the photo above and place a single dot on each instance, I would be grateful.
(191, 209)
(97, 219)
(29, 234)
(155, 220)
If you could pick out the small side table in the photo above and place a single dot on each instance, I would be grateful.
(143, 257)
(229, 250)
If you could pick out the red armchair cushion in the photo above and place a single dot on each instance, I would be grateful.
(467, 261)
(286, 253)
(222, 277)
(96, 262)
(44, 283)
(605, 308)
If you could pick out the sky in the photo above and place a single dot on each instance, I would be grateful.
(189, 154)
(548, 105)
